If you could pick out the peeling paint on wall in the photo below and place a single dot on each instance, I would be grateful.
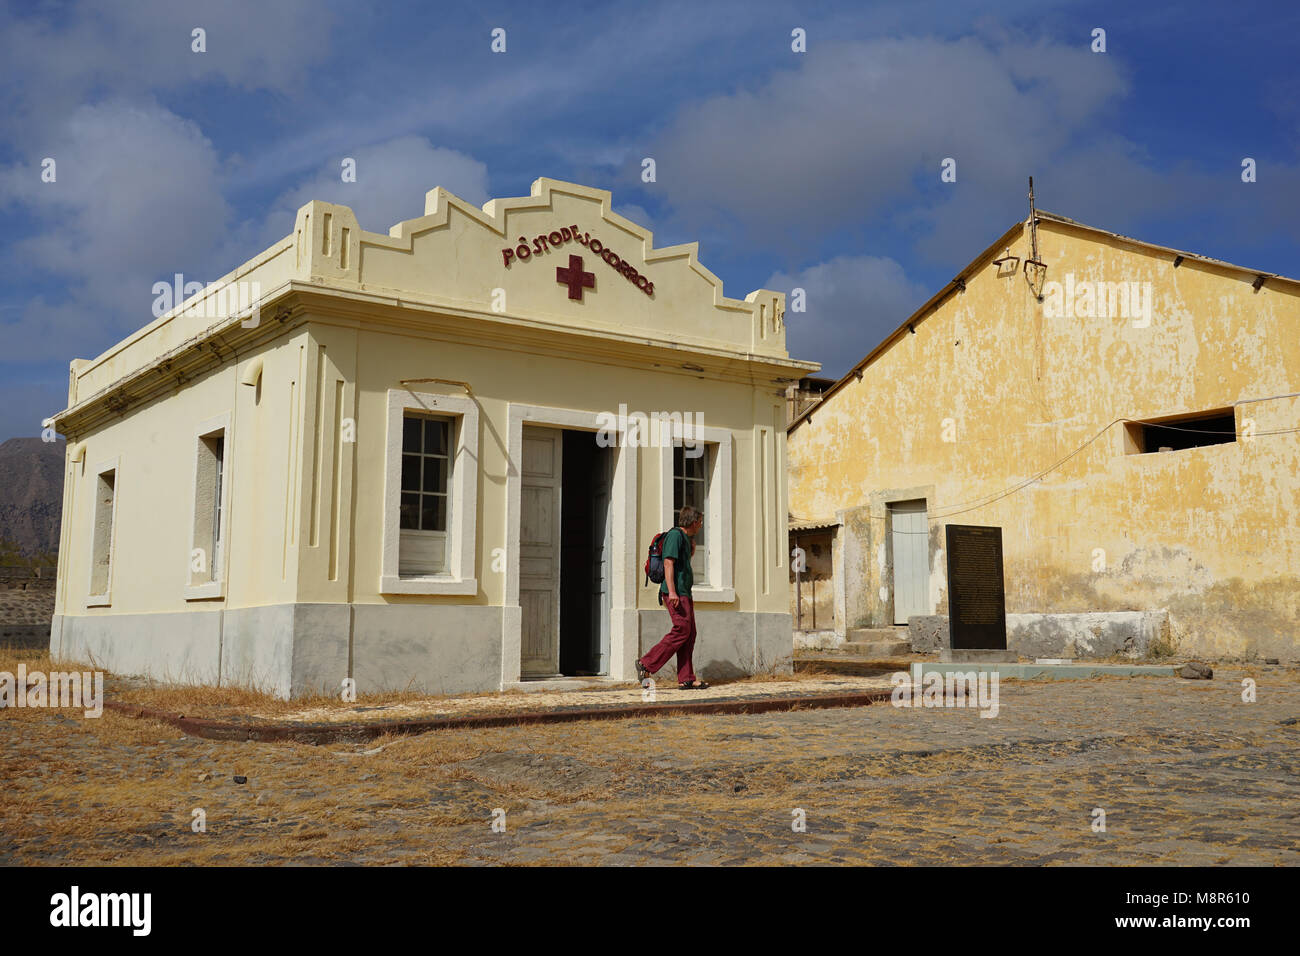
(1211, 533)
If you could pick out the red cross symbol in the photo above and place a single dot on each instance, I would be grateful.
(575, 278)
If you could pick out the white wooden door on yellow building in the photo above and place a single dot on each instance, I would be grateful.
(539, 551)
(910, 539)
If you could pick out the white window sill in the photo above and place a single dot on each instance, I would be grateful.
(433, 584)
(99, 600)
(704, 595)
(205, 592)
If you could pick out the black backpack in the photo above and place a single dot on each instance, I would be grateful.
(654, 562)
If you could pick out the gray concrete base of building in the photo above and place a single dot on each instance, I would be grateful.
(728, 644)
(294, 650)
(1088, 636)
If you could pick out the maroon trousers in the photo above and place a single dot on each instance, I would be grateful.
(680, 641)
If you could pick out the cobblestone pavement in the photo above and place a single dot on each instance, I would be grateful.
(624, 694)
(1185, 772)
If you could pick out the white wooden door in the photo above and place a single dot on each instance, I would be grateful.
(910, 538)
(602, 550)
(539, 550)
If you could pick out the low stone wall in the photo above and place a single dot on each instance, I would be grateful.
(28, 636)
(1088, 636)
(818, 640)
(26, 606)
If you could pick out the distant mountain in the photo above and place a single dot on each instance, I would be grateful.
(31, 493)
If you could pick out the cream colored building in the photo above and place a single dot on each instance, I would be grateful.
(431, 459)
(1127, 414)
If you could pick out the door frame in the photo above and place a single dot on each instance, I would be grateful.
(624, 633)
(555, 484)
(891, 510)
(603, 540)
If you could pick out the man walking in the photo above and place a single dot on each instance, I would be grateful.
(675, 593)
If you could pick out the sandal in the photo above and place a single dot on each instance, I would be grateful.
(641, 673)
(694, 685)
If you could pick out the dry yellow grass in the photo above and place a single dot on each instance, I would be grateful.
(193, 700)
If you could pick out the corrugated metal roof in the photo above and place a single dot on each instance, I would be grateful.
(812, 524)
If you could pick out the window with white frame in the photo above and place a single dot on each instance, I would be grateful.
(426, 477)
(430, 494)
(691, 487)
(205, 558)
(101, 551)
(211, 492)
(698, 472)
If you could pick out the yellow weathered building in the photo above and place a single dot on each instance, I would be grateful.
(430, 459)
(1035, 392)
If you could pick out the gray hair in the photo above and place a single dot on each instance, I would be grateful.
(688, 516)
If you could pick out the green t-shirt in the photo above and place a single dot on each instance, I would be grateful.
(678, 547)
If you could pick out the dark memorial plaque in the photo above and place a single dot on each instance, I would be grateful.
(977, 601)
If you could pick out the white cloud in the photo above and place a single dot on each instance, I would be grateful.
(138, 187)
(58, 56)
(137, 197)
(392, 179)
(858, 129)
(637, 214)
(853, 302)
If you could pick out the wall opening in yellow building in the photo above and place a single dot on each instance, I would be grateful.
(1180, 432)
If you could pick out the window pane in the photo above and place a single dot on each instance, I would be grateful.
(693, 495)
(433, 513)
(435, 437)
(435, 474)
(410, 472)
(693, 467)
(410, 515)
(700, 562)
(411, 435)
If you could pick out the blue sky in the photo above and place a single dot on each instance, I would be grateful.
(817, 169)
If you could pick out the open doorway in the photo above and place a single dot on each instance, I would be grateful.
(565, 578)
(585, 540)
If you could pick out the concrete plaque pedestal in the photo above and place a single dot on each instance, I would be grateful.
(970, 655)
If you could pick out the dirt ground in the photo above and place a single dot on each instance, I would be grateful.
(1185, 772)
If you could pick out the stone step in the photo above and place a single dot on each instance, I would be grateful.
(876, 649)
(859, 635)
(848, 665)
(552, 684)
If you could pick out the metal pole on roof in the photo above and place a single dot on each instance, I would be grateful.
(1033, 222)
